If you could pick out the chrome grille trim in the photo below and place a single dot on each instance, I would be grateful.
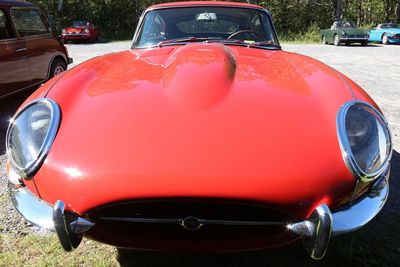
(203, 222)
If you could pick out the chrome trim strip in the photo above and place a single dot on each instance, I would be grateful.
(31, 208)
(28, 172)
(183, 221)
(345, 146)
(354, 39)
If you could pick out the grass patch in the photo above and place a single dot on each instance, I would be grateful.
(36, 250)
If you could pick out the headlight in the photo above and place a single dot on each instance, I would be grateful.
(64, 31)
(86, 30)
(364, 138)
(30, 134)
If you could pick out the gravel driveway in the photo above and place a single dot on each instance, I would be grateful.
(376, 68)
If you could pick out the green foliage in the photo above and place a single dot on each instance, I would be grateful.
(311, 35)
(293, 19)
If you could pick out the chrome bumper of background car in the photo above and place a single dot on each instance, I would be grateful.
(75, 34)
(354, 39)
(316, 230)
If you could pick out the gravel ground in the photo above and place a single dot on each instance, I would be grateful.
(376, 68)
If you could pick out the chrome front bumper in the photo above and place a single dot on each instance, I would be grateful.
(316, 230)
(354, 38)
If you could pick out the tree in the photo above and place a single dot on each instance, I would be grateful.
(398, 12)
(337, 9)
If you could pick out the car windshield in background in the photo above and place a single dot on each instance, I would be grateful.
(390, 25)
(345, 24)
(181, 25)
(79, 23)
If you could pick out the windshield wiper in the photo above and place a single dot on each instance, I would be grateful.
(225, 41)
(184, 40)
(264, 44)
(268, 44)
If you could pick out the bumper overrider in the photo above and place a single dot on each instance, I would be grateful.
(316, 230)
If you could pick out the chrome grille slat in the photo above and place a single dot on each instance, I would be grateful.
(202, 221)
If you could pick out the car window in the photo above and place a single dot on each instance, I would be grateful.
(202, 26)
(28, 22)
(5, 30)
(153, 29)
(80, 23)
(222, 23)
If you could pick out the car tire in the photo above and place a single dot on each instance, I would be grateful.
(57, 67)
(324, 42)
(336, 40)
(385, 39)
(364, 43)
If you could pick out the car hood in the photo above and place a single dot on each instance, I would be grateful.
(198, 120)
(354, 31)
(395, 30)
(75, 29)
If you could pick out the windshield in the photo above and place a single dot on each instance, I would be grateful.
(389, 25)
(344, 24)
(205, 23)
(79, 23)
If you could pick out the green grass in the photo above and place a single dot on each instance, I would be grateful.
(36, 250)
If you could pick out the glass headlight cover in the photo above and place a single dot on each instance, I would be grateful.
(30, 135)
(364, 138)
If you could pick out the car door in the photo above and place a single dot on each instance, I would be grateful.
(32, 27)
(14, 63)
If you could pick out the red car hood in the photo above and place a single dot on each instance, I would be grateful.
(74, 29)
(198, 120)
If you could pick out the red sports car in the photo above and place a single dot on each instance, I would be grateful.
(204, 136)
(80, 30)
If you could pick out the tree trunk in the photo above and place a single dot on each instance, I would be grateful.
(387, 10)
(337, 9)
(398, 12)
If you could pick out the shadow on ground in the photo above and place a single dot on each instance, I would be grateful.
(376, 244)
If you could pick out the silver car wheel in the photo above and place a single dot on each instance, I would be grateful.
(336, 40)
(385, 39)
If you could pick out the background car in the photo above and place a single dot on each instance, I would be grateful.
(344, 32)
(386, 33)
(30, 52)
(80, 30)
(205, 136)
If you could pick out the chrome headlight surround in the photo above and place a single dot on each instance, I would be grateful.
(48, 137)
(346, 148)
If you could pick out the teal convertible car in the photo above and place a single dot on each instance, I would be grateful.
(386, 33)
